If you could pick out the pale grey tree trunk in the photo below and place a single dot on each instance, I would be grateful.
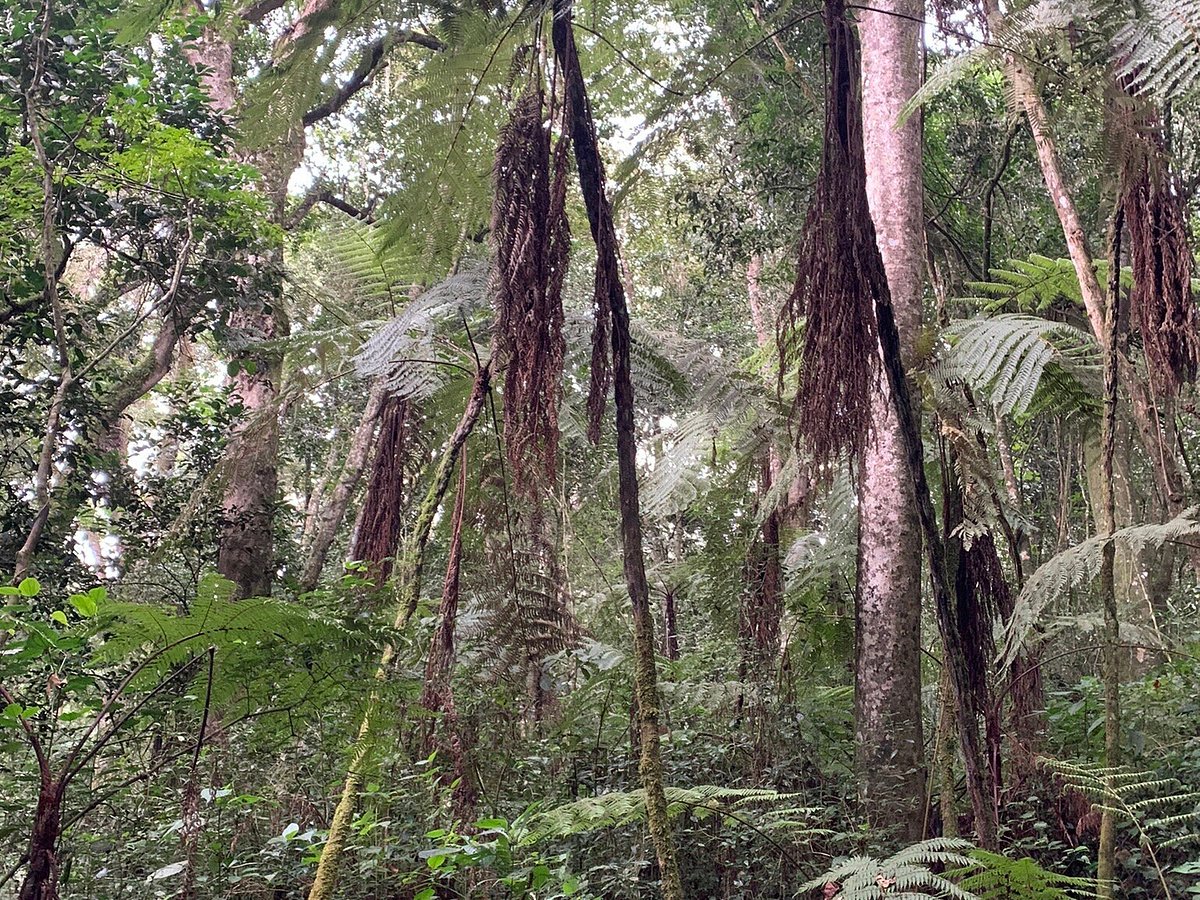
(887, 666)
(330, 510)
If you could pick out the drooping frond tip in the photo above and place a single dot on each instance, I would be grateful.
(532, 241)
(839, 277)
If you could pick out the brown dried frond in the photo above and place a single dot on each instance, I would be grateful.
(839, 278)
(1161, 300)
(531, 239)
(378, 529)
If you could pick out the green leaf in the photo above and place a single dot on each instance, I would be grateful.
(29, 587)
(59, 616)
(84, 604)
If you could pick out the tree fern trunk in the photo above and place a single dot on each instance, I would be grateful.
(331, 510)
(377, 529)
(599, 210)
(1106, 855)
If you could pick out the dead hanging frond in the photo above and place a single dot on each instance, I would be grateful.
(377, 532)
(522, 613)
(1161, 299)
(532, 241)
(827, 326)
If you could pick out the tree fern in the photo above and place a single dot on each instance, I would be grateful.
(1080, 564)
(1153, 804)
(619, 808)
(309, 649)
(411, 352)
(996, 877)
(1006, 356)
(1155, 47)
(908, 873)
(1158, 51)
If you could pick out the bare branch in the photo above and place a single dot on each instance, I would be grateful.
(374, 60)
(256, 12)
(324, 195)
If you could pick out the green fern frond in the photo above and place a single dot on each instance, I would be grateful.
(947, 74)
(1154, 805)
(1158, 53)
(619, 808)
(1079, 564)
(908, 873)
(1005, 357)
(243, 634)
(409, 352)
(996, 877)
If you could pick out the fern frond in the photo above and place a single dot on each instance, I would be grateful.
(1081, 563)
(1005, 357)
(1153, 804)
(908, 873)
(996, 877)
(406, 351)
(1158, 53)
(619, 808)
(244, 635)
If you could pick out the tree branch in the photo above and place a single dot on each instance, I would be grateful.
(256, 12)
(373, 61)
(325, 195)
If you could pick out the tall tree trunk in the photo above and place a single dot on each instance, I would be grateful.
(246, 554)
(257, 324)
(887, 666)
(599, 211)
(437, 694)
(1106, 855)
(377, 531)
(944, 756)
(409, 567)
(41, 878)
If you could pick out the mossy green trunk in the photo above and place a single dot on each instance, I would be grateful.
(599, 211)
(1113, 343)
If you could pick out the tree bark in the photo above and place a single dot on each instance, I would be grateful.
(377, 531)
(1106, 854)
(332, 510)
(41, 878)
(887, 674)
(245, 551)
(599, 211)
